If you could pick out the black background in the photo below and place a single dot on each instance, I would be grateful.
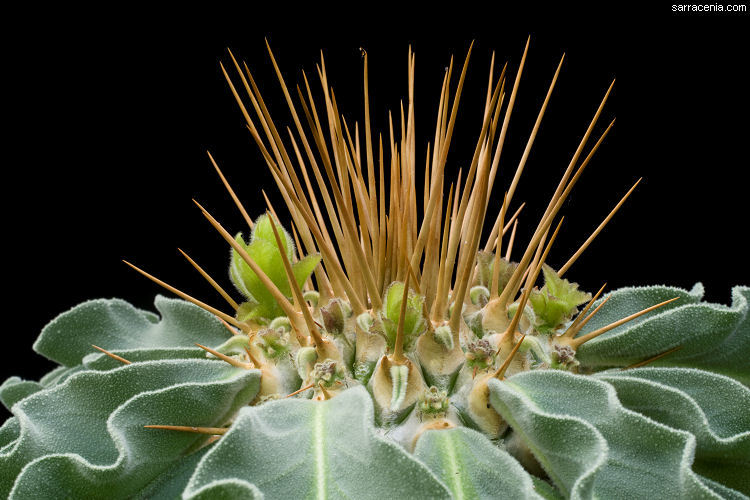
(109, 114)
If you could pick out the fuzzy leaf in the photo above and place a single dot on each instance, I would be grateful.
(266, 255)
(9, 432)
(712, 407)
(172, 482)
(262, 231)
(471, 466)
(113, 324)
(15, 389)
(592, 446)
(85, 437)
(712, 336)
(562, 289)
(546, 490)
(263, 249)
(226, 489)
(296, 448)
(100, 361)
(304, 267)
(414, 322)
(59, 375)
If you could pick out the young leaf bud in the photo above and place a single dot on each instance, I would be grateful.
(479, 295)
(444, 336)
(363, 371)
(327, 373)
(433, 403)
(480, 354)
(474, 322)
(267, 254)
(312, 296)
(556, 302)
(334, 315)
(281, 322)
(527, 319)
(365, 321)
(537, 354)
(564, 357)
(305, 361)
(236, 344)
(274, 342)
(414, 322)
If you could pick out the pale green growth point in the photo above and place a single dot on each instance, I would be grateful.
(281, 322)
(479, 295)
(444, 336)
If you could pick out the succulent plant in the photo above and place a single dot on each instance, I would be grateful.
(398, 357)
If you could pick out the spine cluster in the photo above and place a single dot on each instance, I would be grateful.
(397, 292)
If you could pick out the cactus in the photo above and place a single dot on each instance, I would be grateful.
(376, 353)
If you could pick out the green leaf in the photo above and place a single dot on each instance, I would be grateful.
(238, 268)
(304, 267)
(712, 337)
(267, 257)
(15, 389)
(471, 466)
(113, 324)
(592, 446)
(171, 483)
(59, 375)
(414, 322)
(296, 448)
(556, 302)
(85, 437)
(713, 408)
(263, 231)
(100, 361)
(226, 489)
(263, 249)
(546, 490)
(9, 432)
(562, 289)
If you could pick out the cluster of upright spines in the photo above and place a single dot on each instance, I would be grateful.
(413, 307)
